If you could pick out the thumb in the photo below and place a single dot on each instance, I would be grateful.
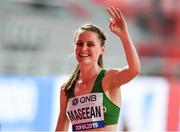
(110, 20)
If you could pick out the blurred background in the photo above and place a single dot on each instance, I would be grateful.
(36, 57)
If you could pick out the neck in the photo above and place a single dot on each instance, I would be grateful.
(88, 73)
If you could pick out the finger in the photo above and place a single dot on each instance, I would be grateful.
(111, 20)
(116, 14)
(119, 13)
(111, 12)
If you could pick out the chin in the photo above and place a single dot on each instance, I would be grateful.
(85, 62)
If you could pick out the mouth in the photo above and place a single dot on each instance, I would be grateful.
(83, 55)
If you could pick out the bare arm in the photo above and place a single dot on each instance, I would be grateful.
(63, 122)
(118, 26)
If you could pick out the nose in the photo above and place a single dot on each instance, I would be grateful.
(84, 47)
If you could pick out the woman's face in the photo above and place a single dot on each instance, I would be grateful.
(88, 47)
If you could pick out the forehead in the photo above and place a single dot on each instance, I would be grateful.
(87, 35)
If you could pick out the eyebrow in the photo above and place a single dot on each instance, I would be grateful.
(87, 41)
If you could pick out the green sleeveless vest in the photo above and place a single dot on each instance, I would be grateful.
(111, 114)
(112, 111)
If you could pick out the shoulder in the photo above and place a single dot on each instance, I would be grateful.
(63, 91)
(109, 73)
(109, 79)
(116, 77)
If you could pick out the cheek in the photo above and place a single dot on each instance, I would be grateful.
(96, 54)
(75, 49)
(75, 52)
(99, 51)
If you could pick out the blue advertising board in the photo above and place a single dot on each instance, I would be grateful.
(26, 103)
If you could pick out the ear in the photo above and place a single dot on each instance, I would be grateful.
(102, 50)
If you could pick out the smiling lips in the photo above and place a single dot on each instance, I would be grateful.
(83, 55)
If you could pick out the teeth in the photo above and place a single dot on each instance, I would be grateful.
(84, 55)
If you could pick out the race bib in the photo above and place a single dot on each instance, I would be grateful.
(86, 111)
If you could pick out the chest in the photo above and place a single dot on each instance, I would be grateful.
(83, 88)
(86, 111)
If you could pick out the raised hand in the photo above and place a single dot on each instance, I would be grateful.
(117, 22)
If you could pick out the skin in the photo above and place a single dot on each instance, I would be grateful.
(87, 50)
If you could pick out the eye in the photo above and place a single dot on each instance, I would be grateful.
(79, 44)
(90, 44)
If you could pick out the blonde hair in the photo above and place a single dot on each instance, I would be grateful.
(70, 84)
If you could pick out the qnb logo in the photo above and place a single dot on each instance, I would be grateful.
(75, 101)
